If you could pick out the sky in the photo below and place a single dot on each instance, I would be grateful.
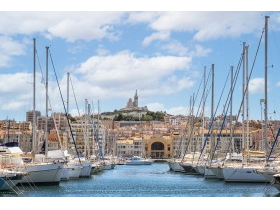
(110, 55)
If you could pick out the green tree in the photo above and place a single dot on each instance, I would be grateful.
(120, 117)
(147, 117)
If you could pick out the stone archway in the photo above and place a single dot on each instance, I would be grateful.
(157, 150)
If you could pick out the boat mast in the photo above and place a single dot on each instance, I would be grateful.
(231, 129)
(189, 129)
(212, 109)
(47, 97)
(67, 102)
(192, 136)
(247, 103)
(67, 108)
(97, 134)
(243, 104)
(88, 130)
(34, 95)
(202, 136)
(265, 87)
(85, 128)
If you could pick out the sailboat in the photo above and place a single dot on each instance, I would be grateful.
(39, 173)
(9, 176)
(247, 171)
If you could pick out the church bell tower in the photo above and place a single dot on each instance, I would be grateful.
(135, 102)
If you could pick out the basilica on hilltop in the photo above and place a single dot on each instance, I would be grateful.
(133, 105)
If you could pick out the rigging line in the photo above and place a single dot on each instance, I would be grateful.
(274, 143)
(179, 146)
(198, 89)
(93, 133)
(190, 134)
(190, 111)
(65, 108)
(271, 129)
(198, 132)
(227, 102)
(212, 120)
(43, 81)
(190, 108)
(246, 88)
(225, 111)
(95, 127)
(75, 96)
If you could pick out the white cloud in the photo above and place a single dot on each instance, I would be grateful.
(75, 112)
(256, 85)
(70, 26)
(160, 107)
(15, 90)
(76, 49)
(142, 17)
(175, 84)
(102, 51)
(8, 49)
(200, 51)
(175, 47)
(155, 107)
(114, 76)
(97, 25)
(180, 110)
(156, 36)
(208, 25)
(17, 82)
(173, 111)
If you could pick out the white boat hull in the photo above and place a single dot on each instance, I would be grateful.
(86, 169)
(65, 174)
(200, 169)
(9, 181)
(188, 168)
(218, 172)
(208, 174)
(75, 170)
(242, 175)
(268, 174)
(107, 166)
(42, 174)
(174, 166)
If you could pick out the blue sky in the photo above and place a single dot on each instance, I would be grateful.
(111, 54)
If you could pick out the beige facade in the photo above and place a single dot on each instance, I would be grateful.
(158, 146)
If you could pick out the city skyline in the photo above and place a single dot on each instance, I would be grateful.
(111, 54)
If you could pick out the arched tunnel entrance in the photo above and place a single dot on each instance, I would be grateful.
(157, 150)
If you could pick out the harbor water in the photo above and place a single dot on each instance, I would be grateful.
(154, 180)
